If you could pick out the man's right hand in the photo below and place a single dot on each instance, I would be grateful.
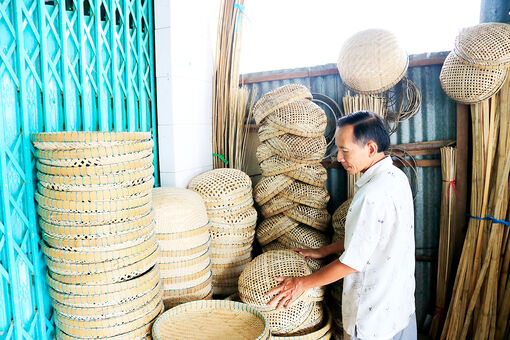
(312, 253)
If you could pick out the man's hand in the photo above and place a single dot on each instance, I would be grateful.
(312, 253)
(287, 292)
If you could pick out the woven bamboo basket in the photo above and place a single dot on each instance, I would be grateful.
(97, 162)
(306, 194)
(213, 319)
(231, 238)
(263, 152)
(230, 207)
(468, 84)
(185, 253)
(338, 220)
(183, 268)
(302, 118)
(303, 236)
(313, 322)
(314, 174)
(221, 185)
(258, 277)
(86, 136)
(273, 227)
(314, 264)
(485, 45)
(276, 165)
(171, 244)
(267, 131)
(237, 220)
(290, 320)
(276, 205)
(316, 218)
(303, 150)
(322, 333)
(269, 187)
(175, 287)
(278, 98)
(141, 333)
(205, 294)
(372, 61)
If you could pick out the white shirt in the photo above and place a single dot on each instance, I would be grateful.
(378, 299)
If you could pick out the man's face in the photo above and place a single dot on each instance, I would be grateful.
(353, 157)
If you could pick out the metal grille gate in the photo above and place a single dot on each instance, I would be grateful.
(64, 65)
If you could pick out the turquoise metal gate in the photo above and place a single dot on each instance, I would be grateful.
(64, 65)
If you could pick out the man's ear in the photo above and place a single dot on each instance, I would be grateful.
(372, 148)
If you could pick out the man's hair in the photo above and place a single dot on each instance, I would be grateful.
(367, 127)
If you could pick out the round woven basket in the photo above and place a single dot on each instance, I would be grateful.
(485, 45)
(372, 61)
(303, 236)
(263, 152)
(221, 185)
(205, 294)
(468, 84)
(186, 247)
(338, 220)
(175, 287)
(322, 333)
(196, 292)
(276, 205)
(302, 193)
(290, 320)
(178, 210)
(269, 130)
(278, 98)
(212, 319)
(277, 165)
(86, 136)
(237, 220)
(273, 227)
(269, 187)
(314, 174)
(98, 161)
(179, 268)
(316, 218)
(299, 149)
(258, 277)
(302, 118)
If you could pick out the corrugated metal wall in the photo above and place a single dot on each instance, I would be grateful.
(436, 121)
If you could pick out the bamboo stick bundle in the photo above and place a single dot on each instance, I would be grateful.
(238, 127)
(448, 198)
(478, 307)
(226, 76)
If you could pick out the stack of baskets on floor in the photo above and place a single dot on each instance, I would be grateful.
(291, 194)
(304, 316)
(95, 208)
(228, 198)
(182, 231)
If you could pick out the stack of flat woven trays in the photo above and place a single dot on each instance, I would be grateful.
(95, 208)
(478, 65)
(306, 317)
(182, 230)
(291, 194)
(227, 194)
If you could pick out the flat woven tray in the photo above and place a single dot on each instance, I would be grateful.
(338, 220)
(221, 185)
(95, 152)
(302, 118)
(178, 210)
(277, 98)
(212, 319)
(302, 193)
(276, 205)
(314, 174)
(85, 136)
(276, 165)
(141, 189)
(95, 170)
(176, 294)
(304, 150)
(316, 218)
(269, 187)
(484, 45)
(273, 227)
(98, 161)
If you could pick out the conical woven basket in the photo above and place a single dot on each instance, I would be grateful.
(314, 174)
(316, 218)
(269, 187)
(302, 118)
(485, 45)
(277, 98)
(299, 149)
(468, 84)
(273, 227)
(221, 185)
(276, 205)
(338, 220)
(372, 61)
(213, 319)
(302, 193)
(277, 165)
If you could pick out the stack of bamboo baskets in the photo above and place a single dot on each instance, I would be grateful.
(292, 194)
(182, 230)
(228, 198)
(305, 316)
(95, 208)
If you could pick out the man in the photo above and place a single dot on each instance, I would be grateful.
(377, 263)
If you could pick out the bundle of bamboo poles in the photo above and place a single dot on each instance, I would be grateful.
(230, 103)
(480, 303)
(448, 198)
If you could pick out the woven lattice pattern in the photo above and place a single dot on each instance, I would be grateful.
(299, 149)
(372, 61)
(269, 187)
(469, 84)
(229, 203)
(316, 218)
(98, 231)
(314, 264)
(277, 165)
(307, 194)
(485, 45)
(273, 227)
(314, 174)
(276, 205)
(302, 118)
(267, 131)
(277, 98)
(338, 220)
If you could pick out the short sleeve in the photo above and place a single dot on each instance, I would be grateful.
(363, 230)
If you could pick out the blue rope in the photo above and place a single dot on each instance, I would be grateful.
(490, 218)
(238, 20)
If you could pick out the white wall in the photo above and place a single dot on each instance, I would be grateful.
(185, 43)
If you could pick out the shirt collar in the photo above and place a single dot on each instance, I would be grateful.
(370, 173)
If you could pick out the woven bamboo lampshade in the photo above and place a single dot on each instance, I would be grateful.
(469, 84)
(486, 45)
(372, 61)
